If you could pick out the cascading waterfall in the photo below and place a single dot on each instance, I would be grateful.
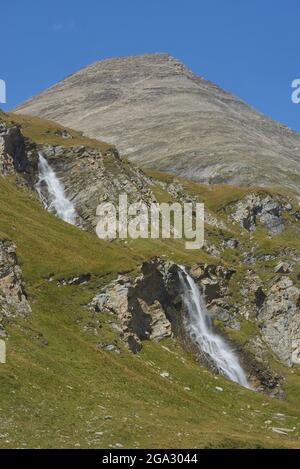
(199, 327)
(55, 199)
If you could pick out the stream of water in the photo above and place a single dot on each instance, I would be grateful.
(199, 327)
(51, 192)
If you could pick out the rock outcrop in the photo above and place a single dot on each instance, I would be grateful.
(13, 301)
(280, 320)
(146, 307)
(13, 156)
(260, 207)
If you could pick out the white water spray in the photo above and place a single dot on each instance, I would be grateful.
(199, 326)
(55, 199)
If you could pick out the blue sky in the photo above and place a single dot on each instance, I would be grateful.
(248, 47)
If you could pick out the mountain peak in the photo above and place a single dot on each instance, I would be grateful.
(160, 114)
(135, 67)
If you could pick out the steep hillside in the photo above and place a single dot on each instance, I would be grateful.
(160, 114)
(72, 378)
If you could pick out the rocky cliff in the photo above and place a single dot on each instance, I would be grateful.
(13, 301)
(12, 150)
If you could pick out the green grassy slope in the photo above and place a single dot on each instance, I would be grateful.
(59, 390)
(42, 131)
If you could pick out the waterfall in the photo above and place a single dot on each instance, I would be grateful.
(52, 194)
(199, 327)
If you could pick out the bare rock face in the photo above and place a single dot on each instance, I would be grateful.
(13, 300)
(145, 306)
(12, 150)
(91, 178)
(255, 207)
(280, 317)
(213, 280)
(160, 114)
(285, 267)
(253, 295)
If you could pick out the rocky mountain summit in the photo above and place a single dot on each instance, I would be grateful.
(161, 115)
